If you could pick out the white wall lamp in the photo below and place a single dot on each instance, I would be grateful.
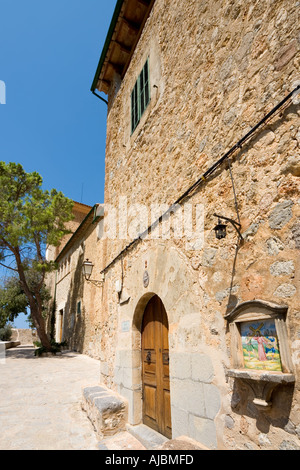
(87, 269)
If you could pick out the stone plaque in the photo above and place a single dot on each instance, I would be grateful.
(125, 325)
(146, 279)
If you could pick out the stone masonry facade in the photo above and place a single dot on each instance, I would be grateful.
(77, 306)
(216, 69)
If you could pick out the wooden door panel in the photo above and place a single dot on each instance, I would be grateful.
(167, 416)
(155, 361)
(150, 401)
(150, 379)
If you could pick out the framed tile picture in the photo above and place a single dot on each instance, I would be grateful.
(259, 337)
(260, 354)
(260, 345)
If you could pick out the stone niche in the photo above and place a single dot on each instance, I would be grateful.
(260, 348)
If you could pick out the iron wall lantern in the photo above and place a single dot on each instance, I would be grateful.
(220, 228)
(87, 269)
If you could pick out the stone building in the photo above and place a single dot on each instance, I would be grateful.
(201, 334)
(76, 313)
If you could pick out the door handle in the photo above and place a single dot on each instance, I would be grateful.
(148, 357)
(166, 358)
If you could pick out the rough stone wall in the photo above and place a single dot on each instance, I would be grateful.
(216, 68)
(222, 67)
(79, 213)
(80, 330)
(24, 335)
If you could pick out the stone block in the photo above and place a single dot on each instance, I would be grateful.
(180, 422)
(295, 231)
(180, 365)
(188, 395)
(135, 404)
(203, 430)
(125, 358)
(280, 268)
(285, 290)
(274, 245)
(212, 400)
(104, 368)
(118, 375)
(209, 256)
(202, 368)
(89, 392)
(285, 54)
(292, 165)
(107, 411)
(281, 214)
(131, 377)
(11, 344)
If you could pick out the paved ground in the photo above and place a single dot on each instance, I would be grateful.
(40, 403)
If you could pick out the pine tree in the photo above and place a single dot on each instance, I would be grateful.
(30, 219)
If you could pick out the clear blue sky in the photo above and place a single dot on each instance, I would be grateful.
(51, 122)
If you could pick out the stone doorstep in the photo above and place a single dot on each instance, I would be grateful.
(107, 411)
(148, 437)
(152, 440)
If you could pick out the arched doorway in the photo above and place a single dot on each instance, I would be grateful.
(155, 368)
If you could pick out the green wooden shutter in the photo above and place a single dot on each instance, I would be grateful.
(140, 96)
(134, 107)
(144, 87)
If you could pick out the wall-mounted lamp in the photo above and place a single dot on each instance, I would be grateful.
(87, 269)
(220, 228)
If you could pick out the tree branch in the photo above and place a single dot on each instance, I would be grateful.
(8, 267)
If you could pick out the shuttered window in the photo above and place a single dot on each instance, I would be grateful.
(140, 96)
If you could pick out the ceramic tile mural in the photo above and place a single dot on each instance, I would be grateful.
(260, 345)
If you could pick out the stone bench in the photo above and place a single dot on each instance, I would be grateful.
(107, 411)
(10, 344)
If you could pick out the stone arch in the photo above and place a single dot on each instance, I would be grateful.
(138, 315)
(137, 353)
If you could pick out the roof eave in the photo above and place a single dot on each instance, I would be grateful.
(107, 42)
(91, 216)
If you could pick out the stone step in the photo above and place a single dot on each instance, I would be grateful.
(152, 440)
(148, 437)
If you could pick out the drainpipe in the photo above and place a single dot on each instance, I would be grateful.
(100, 97)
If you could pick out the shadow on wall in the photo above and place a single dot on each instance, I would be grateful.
(74, 318)
(277, 416)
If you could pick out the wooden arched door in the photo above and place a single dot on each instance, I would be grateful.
(155, 368)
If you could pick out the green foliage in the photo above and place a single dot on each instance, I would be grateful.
(5, 333)
(30, 219)
(29, 214)
(14, 301)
